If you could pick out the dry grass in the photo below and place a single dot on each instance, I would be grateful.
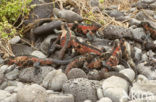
(85, 11)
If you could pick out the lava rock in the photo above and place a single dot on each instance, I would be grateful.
(81, 89)
(134, 21)
(138, 33)
(32, 93)
(38, 54)
(94, 3)
(60, 98)
(40, 12)
(115, 13)
(20, 49)
(115, 32)
(147, 1)
(76, 73)
(12, 75)
(93, 75)
(54, 80)
(68, 15)
(141, 5)
(142, 16)
(30, 75)
(1, 77)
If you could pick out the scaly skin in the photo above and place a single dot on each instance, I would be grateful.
(149, 28)
(29, 61)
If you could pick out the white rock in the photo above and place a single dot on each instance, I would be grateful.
(129, 73)
(12, 98)
(120, 67)
(116, 94)
(15, 40)
(10, 89)
(144, 90)
(87, 101)
(54, 80)
(3, 95)
(105, 99)
(99, 93)
(60, 98)
(3, 68)
(38, 54)
(115, 82)
(32, 93)
(141, 78)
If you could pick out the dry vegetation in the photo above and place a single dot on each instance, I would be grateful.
(86, 11)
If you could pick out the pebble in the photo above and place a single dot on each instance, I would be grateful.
(94, 3)
(137, 55)
(32, 93)
(29, 75)
(38, 54)
(3, 68)
(146, 70)
(12, 98)
(99, 93)
(93, 75)
(60, 98)
(147, 1)
(115, 82)
(1, 77)
(21, 49)
(12, 75)
(134, 21)
(10, 89)
(115, 13)
(14, 40)
(105, 99)
(87, 101)
(115, 94)
(129, 73)
(3, 95)
(54, 80)
(76, 73)
(153, 6)
(143, 89)
(141, 15)
(81, 89)
(138, 33)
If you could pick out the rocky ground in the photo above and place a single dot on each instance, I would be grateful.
(81, 84)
